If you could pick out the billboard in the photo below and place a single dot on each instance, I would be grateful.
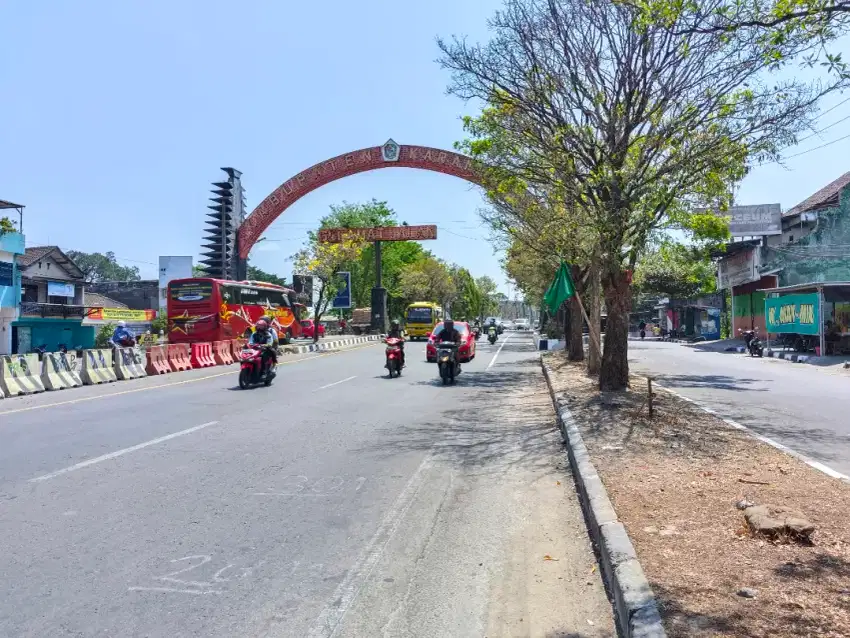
(303, 287)
(343, 295)
(379, 233)
(172, 268)
(754, 221)
(739, 268)
(797, 314)
(60, 289)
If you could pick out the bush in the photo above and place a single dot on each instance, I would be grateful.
(104, 335)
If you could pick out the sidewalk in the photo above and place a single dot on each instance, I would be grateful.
(674, 481)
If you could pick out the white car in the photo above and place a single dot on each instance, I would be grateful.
(521, 324)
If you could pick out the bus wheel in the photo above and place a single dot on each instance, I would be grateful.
(287, 338)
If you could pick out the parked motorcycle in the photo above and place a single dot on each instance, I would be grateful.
(447, 362)
(492, 334)
(752, 341)
(251, 367)
(394, 356)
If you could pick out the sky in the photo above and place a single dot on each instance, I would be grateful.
(116, 116)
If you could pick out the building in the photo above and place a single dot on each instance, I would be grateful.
(811, 249)
(52, 306)
(11, 247)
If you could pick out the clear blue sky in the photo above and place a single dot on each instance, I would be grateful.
(116, 116)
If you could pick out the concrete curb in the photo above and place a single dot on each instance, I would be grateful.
(330, 345)
(634, 603)
(776, 354)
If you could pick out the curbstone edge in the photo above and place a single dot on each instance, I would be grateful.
(635, 609)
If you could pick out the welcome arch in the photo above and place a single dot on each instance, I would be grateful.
(389, 155)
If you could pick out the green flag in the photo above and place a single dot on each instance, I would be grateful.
(561, 289)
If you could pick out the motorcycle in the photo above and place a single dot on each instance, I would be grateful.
(476, 332)
(394, 355)
(447, 362)
(492, 335)
(753, 342)
(251, 367)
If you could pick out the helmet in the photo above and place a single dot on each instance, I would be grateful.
(267, 319)
(122, 324)
(395, 323)
(448, 324)
(262, 325)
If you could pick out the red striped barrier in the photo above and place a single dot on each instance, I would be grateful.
(157, 360)
(202, 356)
(222, 353)
(178, 356)
(236, 347)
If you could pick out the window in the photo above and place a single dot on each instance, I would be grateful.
(790, 239)
(62, 301)
(30, 293)
(419, 315)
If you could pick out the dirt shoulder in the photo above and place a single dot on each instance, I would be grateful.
(674, 481)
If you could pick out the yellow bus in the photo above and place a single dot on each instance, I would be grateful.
(421, 317)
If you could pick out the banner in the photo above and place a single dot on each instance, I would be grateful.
(798, 314)
(122, 314)
(60, 289)
(343, 295)
(379, 233)
(752, 221)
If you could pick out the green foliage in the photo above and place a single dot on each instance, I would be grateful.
(257, 274)
(99, 267)
(428, 279)
(160, 323)
(104, 335)
(675, 270)
(198, 271)
(7, 226)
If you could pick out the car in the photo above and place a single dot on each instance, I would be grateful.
(521, 324)
(308, 327)
(466, 351)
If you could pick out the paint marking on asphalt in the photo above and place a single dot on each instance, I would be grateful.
(498, 352)
(820, 467)
(330, 385)
(116, 454)
(176, 383)
(329, 622)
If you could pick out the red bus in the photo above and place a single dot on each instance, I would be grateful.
(202, 309)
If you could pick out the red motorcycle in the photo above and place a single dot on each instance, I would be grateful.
(394, 356)
(251, 367)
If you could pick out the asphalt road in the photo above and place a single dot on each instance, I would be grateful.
(798, 405)
(335, 503)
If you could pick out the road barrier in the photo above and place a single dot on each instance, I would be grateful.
(157, 361)
(178, 356)
(20, 374)
(222, 353)
(97, 367)
(236, 347)
(202, 356)
(128, 364)
(57, 373)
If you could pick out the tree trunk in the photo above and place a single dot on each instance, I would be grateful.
(317, 315)
(594, 315)
(574, 337)
(614, 374)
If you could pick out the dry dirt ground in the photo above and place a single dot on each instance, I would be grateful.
(674, 481)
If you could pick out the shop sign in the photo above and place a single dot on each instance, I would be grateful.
(122, 314)
(799, 314)
(738, 269)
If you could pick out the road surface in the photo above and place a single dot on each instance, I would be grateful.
(335, 503)
(798, 405)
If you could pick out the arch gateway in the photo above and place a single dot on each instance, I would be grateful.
(388, 155)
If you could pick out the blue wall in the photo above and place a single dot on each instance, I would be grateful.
(10, 296)
(52, 332)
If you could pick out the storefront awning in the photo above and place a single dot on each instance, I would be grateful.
(832, 290)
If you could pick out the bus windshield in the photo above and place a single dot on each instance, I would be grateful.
(420, 315)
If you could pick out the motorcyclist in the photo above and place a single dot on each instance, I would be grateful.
(397, 333)
(263, 335)
(448, 334)
(122, 337)
(273, 332)
(642, 328)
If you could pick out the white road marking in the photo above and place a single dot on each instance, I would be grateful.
(126, 450)
(171, 590)
(764, 439)
(493, 360)
(330, 385)
(329, 622)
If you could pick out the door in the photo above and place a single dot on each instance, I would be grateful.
(24, 340)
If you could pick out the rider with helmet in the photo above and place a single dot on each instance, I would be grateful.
(449, 334)
(263, 335)
(397, 333)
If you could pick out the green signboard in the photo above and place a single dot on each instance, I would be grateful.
(793, 313)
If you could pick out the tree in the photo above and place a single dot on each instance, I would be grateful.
(634, 122)
(675, 270)
(6, 226)
(323, 261)
(99, 267)
(428, 279)
(198, 271)
(257, 274)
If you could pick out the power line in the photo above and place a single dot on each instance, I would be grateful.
(832, 108)
(819, 131)
(816, 148)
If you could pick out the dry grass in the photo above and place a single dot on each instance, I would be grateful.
(674, 481)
